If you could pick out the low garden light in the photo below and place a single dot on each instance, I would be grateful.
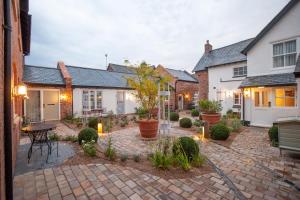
(100, 131)
(21, 90)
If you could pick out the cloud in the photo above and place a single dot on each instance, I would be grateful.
(169, 32)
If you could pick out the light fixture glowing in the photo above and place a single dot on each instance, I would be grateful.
(100, 131)
(21, 90)
(187, 96)
(247, 92)
(63, 97)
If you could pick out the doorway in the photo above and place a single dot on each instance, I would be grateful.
(180, 102)
(51, 105)
(33, 106)
(120, 102)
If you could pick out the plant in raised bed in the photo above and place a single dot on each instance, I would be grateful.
(198, 160)
(110, 152)
(186, 145)
(87, 134)
(93, 122)
(174, 116)
(210, 111)
(236, 124)
(124, 157)
(160, 160)
(273, 135)
(89, 148)
(137, 158)
(220, 132)
(180, 157)
(198, 123)
(185, 122)
(195, 113)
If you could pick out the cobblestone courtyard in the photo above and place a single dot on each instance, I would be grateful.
(249, 169)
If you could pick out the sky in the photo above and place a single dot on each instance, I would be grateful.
(167, 32)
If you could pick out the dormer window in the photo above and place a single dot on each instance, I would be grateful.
(284, 54)
(240, 71)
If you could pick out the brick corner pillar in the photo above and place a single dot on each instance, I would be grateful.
(66, 93)
(202, 77)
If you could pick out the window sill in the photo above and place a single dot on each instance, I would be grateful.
(282, 68)
(239, 76)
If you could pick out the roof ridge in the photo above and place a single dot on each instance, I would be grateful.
(40, 67)
(232, 44)
(87, 68)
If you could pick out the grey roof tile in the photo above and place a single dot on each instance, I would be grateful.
(225, 55)
(88, 77)
(42, 75)
(122, 68)
(181, 75)
(269, 80)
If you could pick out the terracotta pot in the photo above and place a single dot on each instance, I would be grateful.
(211, 118)
(148, 128)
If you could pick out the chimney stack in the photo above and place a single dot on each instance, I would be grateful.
(207, 47)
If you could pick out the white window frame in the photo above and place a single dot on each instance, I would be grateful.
(284, 97)
(260, 98)
(239, 99)
(284, 54)
(95, 99)
(239, 69)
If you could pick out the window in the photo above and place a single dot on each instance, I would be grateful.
(91, 100)
(285, 97)
(85, 100)
(237, 99)
(261, 98)
(240, 71)
(284, 54)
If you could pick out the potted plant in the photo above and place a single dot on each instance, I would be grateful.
(145, 84)
(210, 111)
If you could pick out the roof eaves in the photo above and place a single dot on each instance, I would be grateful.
(270, 25)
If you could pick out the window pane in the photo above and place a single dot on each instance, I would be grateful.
(245, 70)
(85, 100)
(290, 92)
(279, 102)
(99, 99)
(237, 99)
(290, 46)
(279, 92)
(92, 99)
(265, 99)
(290, 59)
(278, 49)
(256, 98)
(289, 102)
(278, 61)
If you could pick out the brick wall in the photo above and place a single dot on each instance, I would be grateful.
(202, 77)
(187, 90)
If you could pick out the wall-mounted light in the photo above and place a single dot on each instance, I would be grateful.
(21, 90)
(247, 92)
(63, 97)
(186, 96)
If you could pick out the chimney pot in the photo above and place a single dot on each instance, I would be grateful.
(207, 47)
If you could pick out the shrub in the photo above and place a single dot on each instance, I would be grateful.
(198, 160)
(174, 116)
(187, 146)
(160, 160)
(110, 152)
(93, 123)
(273, 134)
(236, 124)
(124, 157)
(71, 138)
(54, 137)
(185, 122)
(220, 132)
(208, 106)
(198, 123)
(195, 113)
(141, 112)
(89, 148)
(137, 158)
(87, 134)
(182, 160)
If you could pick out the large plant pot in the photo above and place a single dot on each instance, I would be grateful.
(211, 118)
(154, 112)
(148, 128)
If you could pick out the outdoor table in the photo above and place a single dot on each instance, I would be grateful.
(38, 134)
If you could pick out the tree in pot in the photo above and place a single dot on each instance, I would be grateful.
(145, 84)
(210, 111)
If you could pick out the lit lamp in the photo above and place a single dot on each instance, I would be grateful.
(247, 92)
(21, 90)
(100, 132)
(186, 96)
(63, 97)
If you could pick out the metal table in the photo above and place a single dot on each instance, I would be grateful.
(38, 134)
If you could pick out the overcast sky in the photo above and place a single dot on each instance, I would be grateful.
(167, 32)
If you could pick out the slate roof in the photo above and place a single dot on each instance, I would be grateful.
(270, 25)
(88, 77)
(181, 75)
(224, 55)
(42, 75)
(269, 80)
(297, 68)
(122, 68)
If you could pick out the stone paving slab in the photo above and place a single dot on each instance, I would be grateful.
(105, 181)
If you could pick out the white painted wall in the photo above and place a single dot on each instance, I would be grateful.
(221, 79)
(260, 57)
(109, 100)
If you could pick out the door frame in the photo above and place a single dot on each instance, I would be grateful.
(181, 106)
(124, 102)
(41, 90)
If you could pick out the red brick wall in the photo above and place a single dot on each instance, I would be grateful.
(187, 90)
(202, 77)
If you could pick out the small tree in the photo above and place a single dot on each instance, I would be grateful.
(146, 85)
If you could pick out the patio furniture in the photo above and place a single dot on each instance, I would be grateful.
(38, 134)
(289, 133)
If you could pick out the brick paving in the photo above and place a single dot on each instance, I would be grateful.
(247, 164)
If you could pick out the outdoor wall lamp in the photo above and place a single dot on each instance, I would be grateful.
(63, 97)
(20, 90)
(247, 92)
(186, 96)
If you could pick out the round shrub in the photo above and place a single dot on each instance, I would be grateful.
(220, 132)
(93, 123)
(174, 116)
(87, 134)
(273, 133)
(185, 122)
(188, 145)
(195, 113)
